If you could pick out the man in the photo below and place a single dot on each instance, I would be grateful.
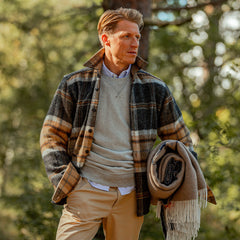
(100, 127)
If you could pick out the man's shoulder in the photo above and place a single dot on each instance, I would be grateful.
(79, 73)
(147, 77)
(83, 75)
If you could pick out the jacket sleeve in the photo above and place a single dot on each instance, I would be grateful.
(55, 132)
(171, 124)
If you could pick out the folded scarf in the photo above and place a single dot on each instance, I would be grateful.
(178, 188)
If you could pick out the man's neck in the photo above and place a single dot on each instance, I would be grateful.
(115, 68)
(109, 73)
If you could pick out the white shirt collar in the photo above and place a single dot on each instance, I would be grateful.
(106, 71)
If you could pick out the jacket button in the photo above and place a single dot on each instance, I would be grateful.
(90, 130)
(97, 89)
(94, 110)
(87, 151)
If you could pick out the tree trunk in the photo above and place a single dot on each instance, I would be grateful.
(143, 6)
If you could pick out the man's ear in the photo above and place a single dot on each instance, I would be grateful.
(105, 40)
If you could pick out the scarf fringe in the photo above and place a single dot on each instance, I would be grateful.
(203, 197)
(183, 217)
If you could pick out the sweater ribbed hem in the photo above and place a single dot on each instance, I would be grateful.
(107, 178)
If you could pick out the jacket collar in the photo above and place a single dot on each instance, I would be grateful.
(97, 59)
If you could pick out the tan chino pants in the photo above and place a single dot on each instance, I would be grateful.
(87, 207)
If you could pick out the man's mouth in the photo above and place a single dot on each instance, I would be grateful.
(132, 52)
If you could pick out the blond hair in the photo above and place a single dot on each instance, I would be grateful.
(110, 18)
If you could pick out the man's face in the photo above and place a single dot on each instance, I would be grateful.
(121, 46)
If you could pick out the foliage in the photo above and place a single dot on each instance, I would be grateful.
(40, 41)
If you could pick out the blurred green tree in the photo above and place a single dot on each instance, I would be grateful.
(193, 46)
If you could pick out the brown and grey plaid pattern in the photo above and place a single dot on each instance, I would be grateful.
(67, 183)
(68, 129)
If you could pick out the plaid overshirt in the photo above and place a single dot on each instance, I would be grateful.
(68, 128)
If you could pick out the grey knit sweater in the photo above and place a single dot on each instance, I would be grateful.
(110, 161)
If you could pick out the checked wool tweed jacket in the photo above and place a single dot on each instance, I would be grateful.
(68, 128)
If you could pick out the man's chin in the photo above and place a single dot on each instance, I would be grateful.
(132, 60)
(129, 60)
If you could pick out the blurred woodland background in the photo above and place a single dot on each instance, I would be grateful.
(193, 45)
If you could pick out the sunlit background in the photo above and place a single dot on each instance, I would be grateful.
(196, 52)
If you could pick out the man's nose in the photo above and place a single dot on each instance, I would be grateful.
(135, 42)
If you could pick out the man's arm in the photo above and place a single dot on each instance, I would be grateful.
(171, 124)
(55, 132)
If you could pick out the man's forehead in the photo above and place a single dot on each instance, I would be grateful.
(122, 32)
(127, 26)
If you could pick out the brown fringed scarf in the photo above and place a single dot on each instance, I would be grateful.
(178, 188)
